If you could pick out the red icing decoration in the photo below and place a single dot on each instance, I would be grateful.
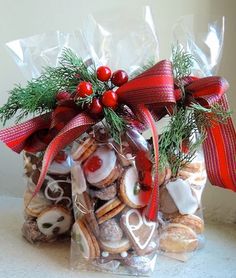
(93, 164)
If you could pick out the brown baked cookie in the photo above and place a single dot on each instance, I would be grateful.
(101, 169)
(106, 193)
(130, 191)
(192, 221)
(178, 238)
(167, 204)
(85, 150)
(110, 230)
(139, 230)
(109, 210)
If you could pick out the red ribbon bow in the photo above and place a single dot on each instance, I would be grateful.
(151, 95)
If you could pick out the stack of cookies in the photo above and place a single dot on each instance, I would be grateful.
(110, 229)
(48, 216)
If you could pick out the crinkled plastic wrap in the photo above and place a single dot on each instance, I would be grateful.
(181, 232)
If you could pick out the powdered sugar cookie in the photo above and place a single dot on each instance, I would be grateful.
(110, 230)
(84, 150)
(54, 220)
(37, 204)
(178, 238)
(130, 190)
(109, 210)
(138, 229)
(101, 168)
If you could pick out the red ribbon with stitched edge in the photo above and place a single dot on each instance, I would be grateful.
(151, 95)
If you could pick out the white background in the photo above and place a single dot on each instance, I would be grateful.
(22, 18)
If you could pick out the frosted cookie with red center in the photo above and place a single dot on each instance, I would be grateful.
(181, 193)
(130, 190)
(37, 204)
(82, 236)
(101, 168)
(178, 238)
(60, 167)
(54, 220)
(84, 150)
(115, 247)
(139, 230)
(109, 210)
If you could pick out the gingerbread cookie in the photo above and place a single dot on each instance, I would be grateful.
(130, 190)
(101, 168)
(82, 236)
(138, 229)
(84, 150)
(109, 210)
(54, 220)
(178, 238)
(190, 220)
(110, 230)
(37, 204)
(106, 193)
(167, 204)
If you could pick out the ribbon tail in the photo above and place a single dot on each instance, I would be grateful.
(153, 205)
(77, 126)
(220, 153)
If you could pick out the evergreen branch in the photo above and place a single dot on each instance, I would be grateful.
(115, 124)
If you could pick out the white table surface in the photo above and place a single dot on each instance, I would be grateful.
(20, 259)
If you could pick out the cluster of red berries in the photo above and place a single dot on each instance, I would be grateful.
(109, 98)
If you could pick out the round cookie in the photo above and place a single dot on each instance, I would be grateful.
(190, 220)
(109, 210)
(54, 220)
(37, 204)
(82, 237)
(178, 238)
(84, 150)
(115, 247)
(167, 204)
(110, 230)
(101, 168)
(130, 192)
(60, 168)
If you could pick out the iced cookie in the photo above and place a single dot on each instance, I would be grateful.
(84, 150)
(37, 204)
(110, 230)
(190, 220)
(60, 166)
(130, 190)
(54, 220)
(115, 247)
(178, 238)
(109, 210)
(106, 193)
(101, 168)
(138, 229)
(181, 193)
(82, 236)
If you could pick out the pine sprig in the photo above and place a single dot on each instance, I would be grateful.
(115, 124)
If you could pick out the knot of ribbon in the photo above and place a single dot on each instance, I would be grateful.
(151, 95)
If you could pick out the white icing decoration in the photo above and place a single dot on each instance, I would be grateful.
(142, 221)
(53, 185)
(124, 254)
(108, 158)
(51, 216)
(86, 250)
(181, 193)
(60, 168)
(78, 180)
(34, 167)
(152, 244)
(105, 254)
(130, 181)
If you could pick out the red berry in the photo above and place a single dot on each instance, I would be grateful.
(103, 73)
(95, 107)
(110, 99)
(84, 89)
(119, 78)
(93, 164)
(63, 96)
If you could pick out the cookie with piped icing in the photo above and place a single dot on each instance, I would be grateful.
(139, 230)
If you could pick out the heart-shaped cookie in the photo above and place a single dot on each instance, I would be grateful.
(138, 229)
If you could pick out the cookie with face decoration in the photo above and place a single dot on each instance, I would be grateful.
(54, 220)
